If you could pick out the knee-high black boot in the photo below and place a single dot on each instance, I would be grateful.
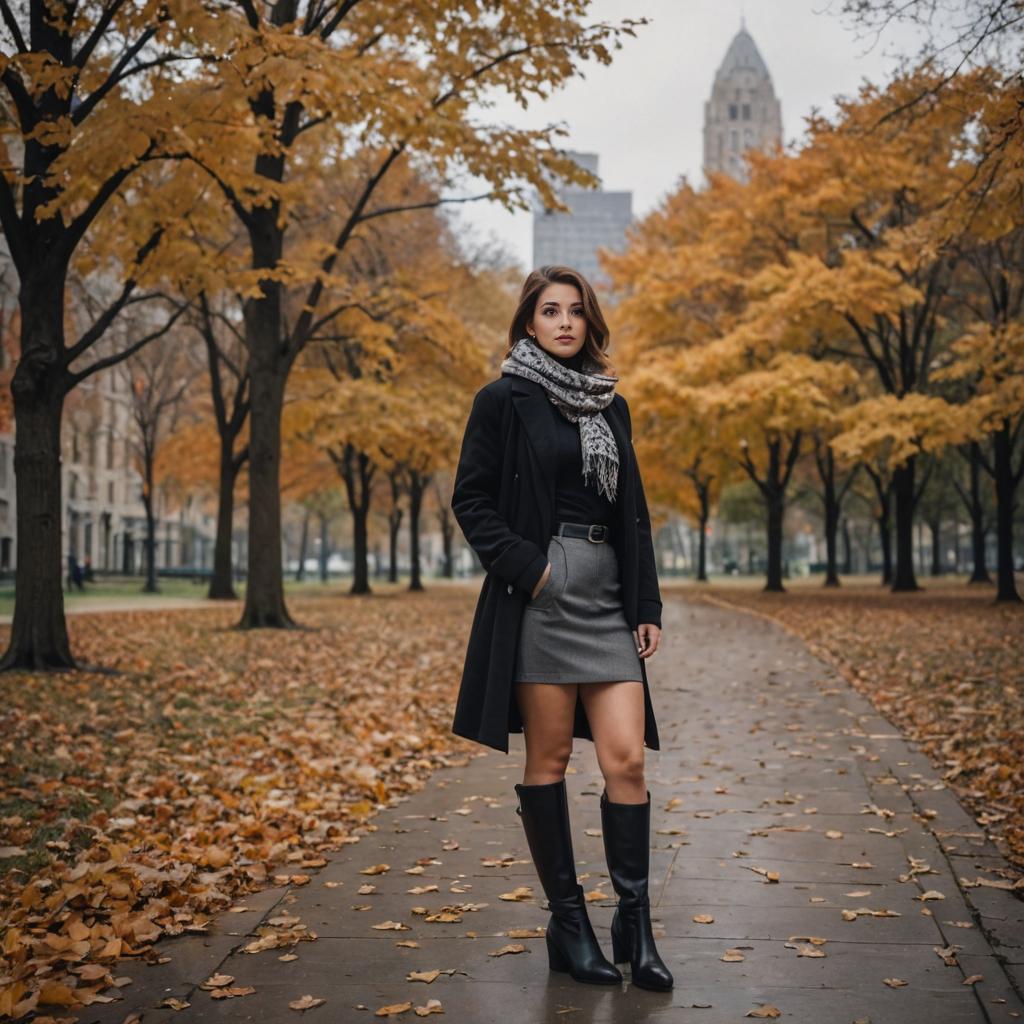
(627, 846)
(572, 945)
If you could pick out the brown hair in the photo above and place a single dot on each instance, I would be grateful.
(596, 341)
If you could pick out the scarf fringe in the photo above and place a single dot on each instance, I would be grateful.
(580, 397)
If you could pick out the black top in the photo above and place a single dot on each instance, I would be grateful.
(576, 500)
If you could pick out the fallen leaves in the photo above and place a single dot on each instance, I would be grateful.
(519, 893)
(156, 797)
(769, 876)
(306, 1003)
(852, 915)
(1016, 885)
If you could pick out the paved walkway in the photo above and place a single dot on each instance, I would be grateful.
(769, 763)
(147, 603)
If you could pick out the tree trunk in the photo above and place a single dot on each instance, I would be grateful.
(300, 569)
(150, 586)
(446, 521)
(935, 528)
(268, 374)
(847, 547)
(976, 510)
(1002, 451)
(264, 591)
(360, 549)
(222, 583)
(885, 541)
(394, 525)
(417, 484)
(776, 511)
(357, 469)
(903, 492)
(884, 518)
(325, 547)
(702, 543)
(39, 638)
(773, 491)
(827, 470)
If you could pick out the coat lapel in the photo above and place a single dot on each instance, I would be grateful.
(537, 414)
(533, 407)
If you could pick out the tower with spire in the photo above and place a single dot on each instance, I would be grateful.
(743, 112)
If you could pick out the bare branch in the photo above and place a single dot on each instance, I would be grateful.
(12, 26)
(101, 26)
(74, 379)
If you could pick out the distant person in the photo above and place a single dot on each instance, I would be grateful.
(549, 496)
(87, 570)
(74, 574)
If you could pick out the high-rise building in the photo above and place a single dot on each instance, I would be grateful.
(743, 112)
(597, 219)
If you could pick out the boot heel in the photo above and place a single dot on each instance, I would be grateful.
(619, 952)
(556, 961)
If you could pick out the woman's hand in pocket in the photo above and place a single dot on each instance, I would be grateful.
(542, 582)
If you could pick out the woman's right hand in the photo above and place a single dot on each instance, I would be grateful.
(542, 581)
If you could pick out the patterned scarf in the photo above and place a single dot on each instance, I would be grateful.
(580, 397)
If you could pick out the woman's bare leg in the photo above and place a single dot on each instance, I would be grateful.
(547, 710)
(616, 715)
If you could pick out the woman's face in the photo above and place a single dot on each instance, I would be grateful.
(558, 323)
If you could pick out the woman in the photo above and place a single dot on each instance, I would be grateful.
(548, 494)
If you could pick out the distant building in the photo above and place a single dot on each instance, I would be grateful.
(743, 112)
(598, 218)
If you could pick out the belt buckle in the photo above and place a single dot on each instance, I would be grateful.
(590, 532)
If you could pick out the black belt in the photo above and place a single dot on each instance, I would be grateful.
(596, 532)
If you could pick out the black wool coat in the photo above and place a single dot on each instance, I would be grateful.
(504, 501)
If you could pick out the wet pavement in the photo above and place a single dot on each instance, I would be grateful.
(781, 804)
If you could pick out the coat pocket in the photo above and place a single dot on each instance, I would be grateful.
(556, 580)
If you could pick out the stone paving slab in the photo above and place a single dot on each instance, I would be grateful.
(755, 733)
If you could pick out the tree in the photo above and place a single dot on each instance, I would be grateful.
(90, 93)
(385, 84)
(157, 380)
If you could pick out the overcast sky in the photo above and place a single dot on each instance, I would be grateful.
(644, 113)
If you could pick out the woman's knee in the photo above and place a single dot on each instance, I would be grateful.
(624, 766)
(548, 764)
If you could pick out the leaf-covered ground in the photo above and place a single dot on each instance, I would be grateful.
(139, 804)
(945, 665)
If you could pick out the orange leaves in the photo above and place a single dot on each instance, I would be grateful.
(898, 427)
(198, 765)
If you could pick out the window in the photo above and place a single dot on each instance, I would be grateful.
(746, 111)
(732, 111)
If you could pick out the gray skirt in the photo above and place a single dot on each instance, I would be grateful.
(575, 629)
